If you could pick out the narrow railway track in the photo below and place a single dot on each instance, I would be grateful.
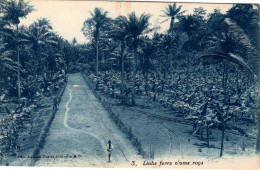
(99, 137)
(166, 131)
(66, 115)
(105, 125)
(120, 148)
(183, 121)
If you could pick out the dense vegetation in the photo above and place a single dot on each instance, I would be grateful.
(33, 65)
(205, 65)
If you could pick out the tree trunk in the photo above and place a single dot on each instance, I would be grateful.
(207, 136)
(171, 63)
(164, 77)
(171, 26)
(122, 76)
(258, 137)
(97, 58)
(225, 78)
(204, 72)
(122, 68)
(18, 63)
(146, 81)
(222, 141)
(134, 74)
(188, 74)
(201, 133)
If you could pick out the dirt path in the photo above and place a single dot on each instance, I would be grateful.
(80, 131)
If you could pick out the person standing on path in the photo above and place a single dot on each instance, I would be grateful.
(109, 150)
(55, 103)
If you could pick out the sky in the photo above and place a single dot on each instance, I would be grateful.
(67, 17)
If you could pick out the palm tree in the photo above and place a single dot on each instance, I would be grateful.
(189, 24)
(136, 27)
(172, 12)
(94, 27)
(120, 34)
(147, 52)
(13, 10)
(40, 35)
(75, 50)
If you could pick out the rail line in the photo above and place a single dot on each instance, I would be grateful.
(103, 122)
(114, 139)
(160, 128)
(165, 130)
(78, 130)
(182, 121)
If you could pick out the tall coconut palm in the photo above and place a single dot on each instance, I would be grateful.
(94, 27)
(13, 10)
(147, 52)
(136, 27)
(172, 12)
(40, 35)
(120, 34)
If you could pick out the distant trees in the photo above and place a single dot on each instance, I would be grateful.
(94, 27)
(189, 24)
(136, 27)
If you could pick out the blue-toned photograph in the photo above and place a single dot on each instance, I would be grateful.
(113, 84)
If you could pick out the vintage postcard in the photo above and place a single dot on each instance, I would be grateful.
(113, 84)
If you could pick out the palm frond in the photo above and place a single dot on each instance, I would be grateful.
(229, 58)
(165, 20)
(14, 10)
(239, 34)
(6, 61)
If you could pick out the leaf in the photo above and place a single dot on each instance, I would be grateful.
(239, 34)
(230, 57)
